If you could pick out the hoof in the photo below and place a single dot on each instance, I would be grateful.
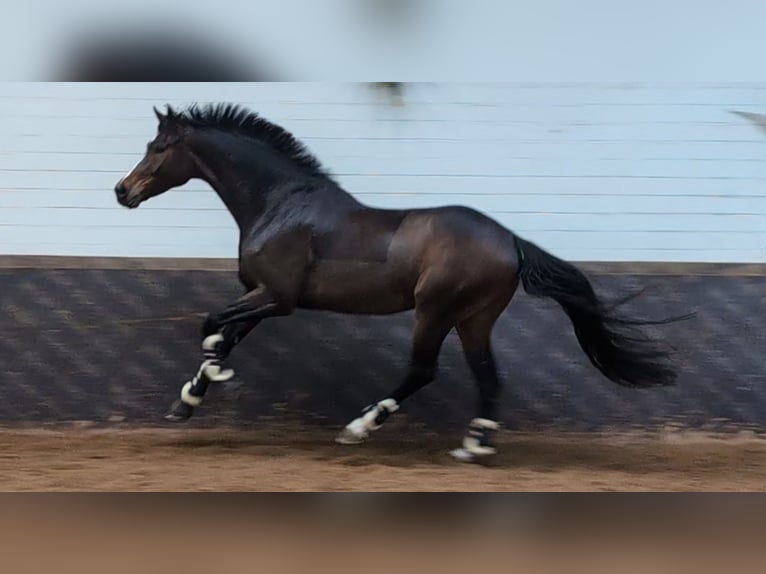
(346, 436)
(465, 455)
(179, 412)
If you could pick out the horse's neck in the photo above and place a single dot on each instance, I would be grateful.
(243, 182)
(252, 179)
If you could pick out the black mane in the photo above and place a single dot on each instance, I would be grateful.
(233, 117)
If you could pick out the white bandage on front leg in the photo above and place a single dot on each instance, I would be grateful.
(212, 366)
(189, 398)
(210, 342)
(359, 429)
(214, 373)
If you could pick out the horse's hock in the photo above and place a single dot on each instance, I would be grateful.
(71, 354)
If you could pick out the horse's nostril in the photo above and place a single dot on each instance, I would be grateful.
(120, 190)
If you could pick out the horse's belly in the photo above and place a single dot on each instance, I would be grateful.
(358, 287)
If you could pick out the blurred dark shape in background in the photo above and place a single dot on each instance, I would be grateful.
(412, 40)
(234, 40)
(758, 119)
(392, 15)
(155, 57)
(393, 92)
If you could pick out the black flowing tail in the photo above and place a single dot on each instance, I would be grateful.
(613, 344)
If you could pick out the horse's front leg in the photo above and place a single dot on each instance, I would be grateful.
(221, 332)
(216, 347)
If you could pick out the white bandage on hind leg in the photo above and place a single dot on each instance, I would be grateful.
(485, 424)
(361, 426)
(472, 442)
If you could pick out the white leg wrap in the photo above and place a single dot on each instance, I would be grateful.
(187, 397)
(472, 447)
(212, 367)
(359, 429)
(211, 341)
(215, 373)
(485, 424)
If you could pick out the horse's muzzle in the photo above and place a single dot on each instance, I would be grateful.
(124, 197)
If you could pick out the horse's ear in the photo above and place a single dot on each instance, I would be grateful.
(168, 119)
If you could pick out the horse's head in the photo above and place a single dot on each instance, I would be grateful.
(166, 164)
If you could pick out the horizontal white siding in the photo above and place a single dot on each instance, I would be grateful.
(591, 172)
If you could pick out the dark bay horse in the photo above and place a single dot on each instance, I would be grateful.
(307, 243)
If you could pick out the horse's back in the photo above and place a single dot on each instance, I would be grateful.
(410, 240)
(380, 261)
(460, 230)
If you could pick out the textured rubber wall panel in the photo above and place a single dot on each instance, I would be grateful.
(107, 345)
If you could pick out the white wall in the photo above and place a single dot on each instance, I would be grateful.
(589, 171)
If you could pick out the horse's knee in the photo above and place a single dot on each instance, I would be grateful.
(210, 326)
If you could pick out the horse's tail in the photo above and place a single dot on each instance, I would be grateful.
(613, 343)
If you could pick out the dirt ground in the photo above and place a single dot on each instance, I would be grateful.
(292, 460)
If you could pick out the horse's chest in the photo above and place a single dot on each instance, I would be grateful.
(248, 278)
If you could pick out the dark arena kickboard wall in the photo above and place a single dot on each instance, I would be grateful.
(112, 341)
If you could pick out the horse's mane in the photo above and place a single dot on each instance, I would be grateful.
(236, 118)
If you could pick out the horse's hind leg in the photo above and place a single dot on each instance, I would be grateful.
(430, 332)
(475, 334)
